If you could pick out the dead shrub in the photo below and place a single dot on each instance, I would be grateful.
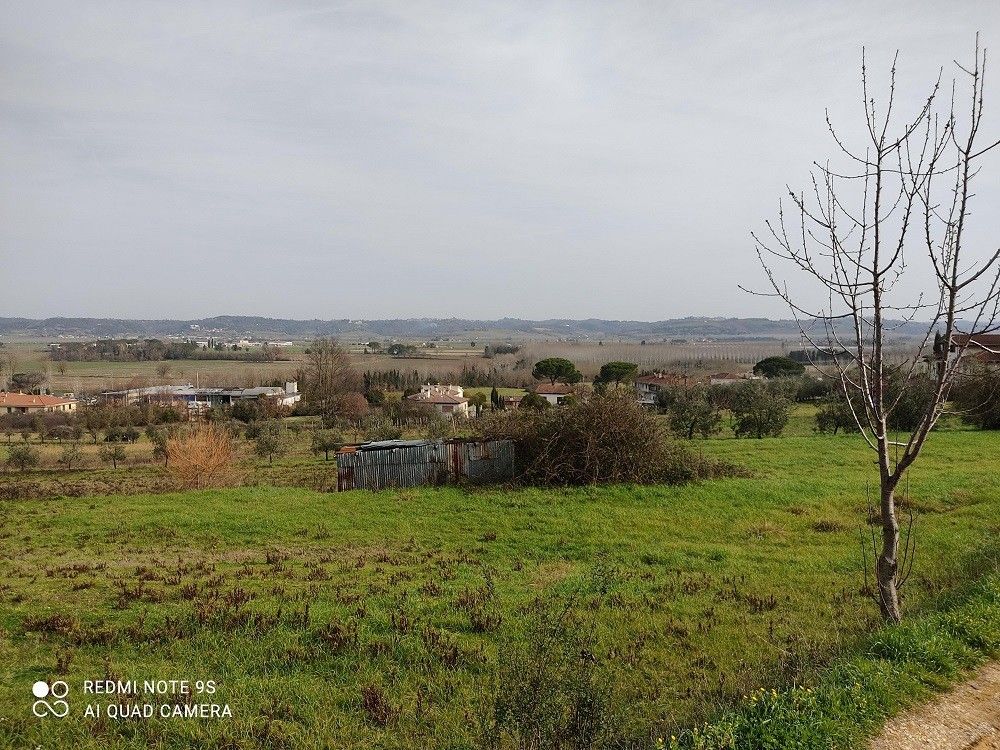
(335, 637)
(481, 606)
(203, 457)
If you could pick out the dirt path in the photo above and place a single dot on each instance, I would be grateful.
(965, 718)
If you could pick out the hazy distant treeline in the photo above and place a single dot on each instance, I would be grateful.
(152, 350)
(421, 328)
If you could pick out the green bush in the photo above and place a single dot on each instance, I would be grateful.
(976, 395)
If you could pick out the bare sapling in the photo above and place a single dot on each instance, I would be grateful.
(881, 246)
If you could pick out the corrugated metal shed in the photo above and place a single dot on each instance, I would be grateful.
(411, 463)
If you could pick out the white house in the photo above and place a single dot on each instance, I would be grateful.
(446, 400)
(731, 378)
(555, 393)
(648, 387)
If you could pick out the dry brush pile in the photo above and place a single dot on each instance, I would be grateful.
(603, 438)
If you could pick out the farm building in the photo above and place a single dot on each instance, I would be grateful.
(648, 387)
(446, 400)
(555, 394)
(511, 402)
(982, 348)
(29, 403)
(197, 399)
(411, 463)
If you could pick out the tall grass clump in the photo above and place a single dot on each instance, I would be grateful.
(549, 691)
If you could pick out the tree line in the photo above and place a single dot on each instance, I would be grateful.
(155, 350)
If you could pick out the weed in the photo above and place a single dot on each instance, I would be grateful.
(828, 526)
(336, 637)
(376, 706)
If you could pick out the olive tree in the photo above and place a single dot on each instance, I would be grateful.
(690, 411)
(113, 454)
(270, 441)
(22, 457)
(324, 441)
(757, 411)
(70, 454)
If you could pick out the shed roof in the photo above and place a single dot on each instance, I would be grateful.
(386, 444)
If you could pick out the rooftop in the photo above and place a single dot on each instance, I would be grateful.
(558, 389)
(29, 400)
(978, 340)
(659, 378)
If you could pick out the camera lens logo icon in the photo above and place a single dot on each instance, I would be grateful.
(57, 690)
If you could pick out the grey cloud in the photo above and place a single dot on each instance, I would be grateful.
(421, 159)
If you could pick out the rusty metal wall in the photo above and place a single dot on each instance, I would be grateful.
(413, 464)
(483, 462)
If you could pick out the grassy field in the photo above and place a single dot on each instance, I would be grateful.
(419, 618)
(298, 465)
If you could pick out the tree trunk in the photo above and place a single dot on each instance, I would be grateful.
(885, 568)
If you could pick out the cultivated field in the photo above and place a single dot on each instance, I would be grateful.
(91, 377)
(438, 617)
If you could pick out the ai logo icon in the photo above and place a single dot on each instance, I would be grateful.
(58, 690)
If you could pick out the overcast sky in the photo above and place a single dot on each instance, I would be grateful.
(410, 159)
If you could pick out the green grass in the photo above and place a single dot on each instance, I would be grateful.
(485, 390)
(848, 704)
(689, 597)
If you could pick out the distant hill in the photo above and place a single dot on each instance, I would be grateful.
(228, 326)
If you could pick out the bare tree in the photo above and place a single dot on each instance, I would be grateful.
(7, 367)
(863, 240)
(330, 377)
